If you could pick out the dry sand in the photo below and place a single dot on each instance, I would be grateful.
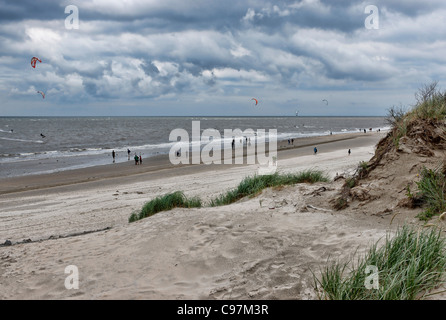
(264, 247)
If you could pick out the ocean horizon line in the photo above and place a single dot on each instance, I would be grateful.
(195, 116)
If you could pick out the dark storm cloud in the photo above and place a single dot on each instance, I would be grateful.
(275, 18)
(28, 9)
(411, 8)
(139, 49)
(149, 68)
(91, 88)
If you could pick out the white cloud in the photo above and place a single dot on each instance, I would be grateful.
(250, 14)
(239, 51)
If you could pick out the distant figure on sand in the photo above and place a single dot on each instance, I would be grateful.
(364, 131)
(136, 159)
(140, 159)
(113, 155)
(315, 150)
(349, 151)
(128, 153)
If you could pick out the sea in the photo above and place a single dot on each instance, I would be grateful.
(36, 145)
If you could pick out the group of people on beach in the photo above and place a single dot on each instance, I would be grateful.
(349, 150)
(247, 141)
(138, 159)
(315, 151)
(370, 129)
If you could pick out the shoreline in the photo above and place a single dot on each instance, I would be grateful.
(156, 166)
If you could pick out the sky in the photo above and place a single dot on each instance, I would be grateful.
(211, 57)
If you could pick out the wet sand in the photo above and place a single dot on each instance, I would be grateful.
(159, 166)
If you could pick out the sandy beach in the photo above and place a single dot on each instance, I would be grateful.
(265, 247)
(332, 115)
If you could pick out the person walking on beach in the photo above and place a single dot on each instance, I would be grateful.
(113, 155)
(140, 159)
(315, 150)
(233, 143)
(128, 153)
(349, 151)
(136, 159)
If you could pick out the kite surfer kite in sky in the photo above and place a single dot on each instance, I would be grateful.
(257, 101)
(326, 102)
(34, 61)
(43, 94)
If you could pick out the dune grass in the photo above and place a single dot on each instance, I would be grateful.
(430, 104)
(432, 192)
(409, 265)
(166, 202)
(251, 186)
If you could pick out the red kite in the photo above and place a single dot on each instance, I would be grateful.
(34, 61)
(43, 94)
